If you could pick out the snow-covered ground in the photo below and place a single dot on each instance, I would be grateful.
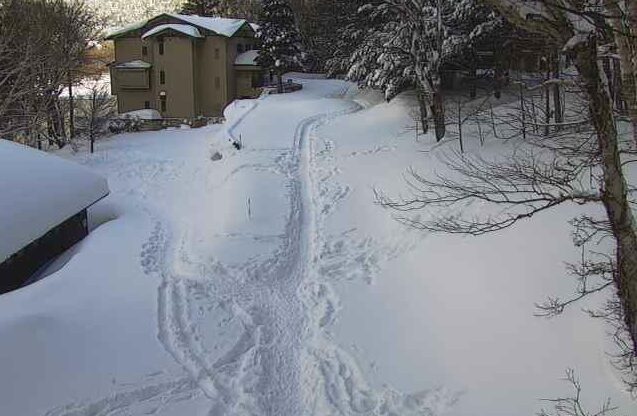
(269, 283)
(86, 86)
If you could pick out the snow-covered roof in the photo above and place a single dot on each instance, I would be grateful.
(187, 30)
(222, 26)
(127, 28)
(38, 192)
(247, 58)
(136, 64)
(219, 25)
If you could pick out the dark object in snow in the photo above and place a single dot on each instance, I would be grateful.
(31, 239)
(237, 145)
(18, 269)
(216, 156)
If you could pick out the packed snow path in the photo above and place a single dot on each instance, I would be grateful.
(233, 247)
(262, 372)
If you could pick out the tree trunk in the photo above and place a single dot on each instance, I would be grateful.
(499, 76)
(279, 78)
(627, 51)
(438, 112)
(557, 93)
(614, 188)
(547, 102)
(56, 123)
(422, 105)
(71, 109)
(473, 87)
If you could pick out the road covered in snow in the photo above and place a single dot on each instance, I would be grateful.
(267, 282)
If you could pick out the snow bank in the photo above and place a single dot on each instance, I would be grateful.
(40, 191)
(147, 114)
(448, 310)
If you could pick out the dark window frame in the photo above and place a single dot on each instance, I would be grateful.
(144, 50)
(161, 46)
(162, 77)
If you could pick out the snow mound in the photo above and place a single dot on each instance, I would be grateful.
(147, 114)
(40, 191)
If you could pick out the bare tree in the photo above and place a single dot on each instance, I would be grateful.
(96, 111)
(43, 43)
(573, 406)
(571, 165)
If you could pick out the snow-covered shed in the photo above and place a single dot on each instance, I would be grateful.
(43, 209)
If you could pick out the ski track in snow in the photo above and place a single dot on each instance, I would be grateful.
(282, 361)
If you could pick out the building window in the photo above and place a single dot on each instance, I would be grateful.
(239, 48)
(162, 77)
(162, 103)
(217, 82)
(217, 53)
(161, 46)
(144, 50)
(146, 105)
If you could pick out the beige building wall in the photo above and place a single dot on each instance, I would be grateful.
(177, 62)
(212, 92)
(244, 82)
(130, 49)
(133, 100)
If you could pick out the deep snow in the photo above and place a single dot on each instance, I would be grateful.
(269, 283)
(43, 192)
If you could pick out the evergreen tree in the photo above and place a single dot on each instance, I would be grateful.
(201, 7)
(409, 43)
(281, 49)
(321, 24)
(353, 26)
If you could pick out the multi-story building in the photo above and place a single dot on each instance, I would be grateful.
(184, 66)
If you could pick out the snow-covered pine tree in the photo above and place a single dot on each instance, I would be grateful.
(201, 7)
(321, 24)
(411, 44)
(281, 49)
(351, 29)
